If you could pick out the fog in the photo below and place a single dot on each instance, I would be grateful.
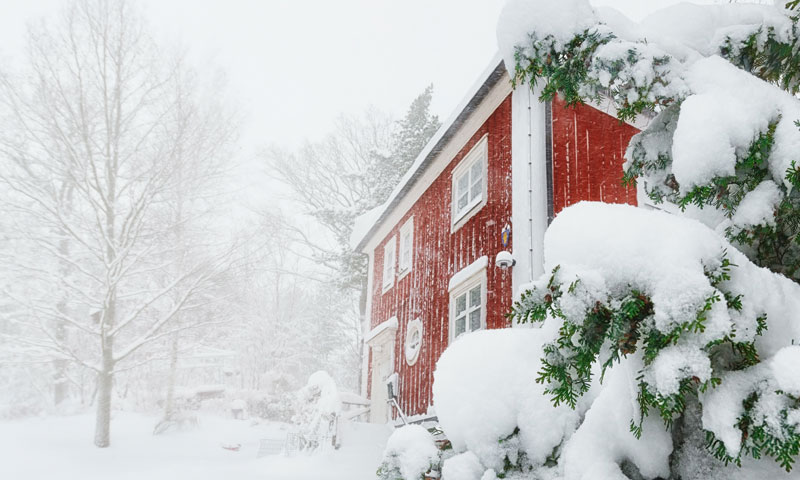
(178, 184)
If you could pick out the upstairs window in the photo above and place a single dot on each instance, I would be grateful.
(388, 263)
(469, 181)
(406, 260)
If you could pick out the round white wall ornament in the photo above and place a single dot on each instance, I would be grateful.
(413, 341)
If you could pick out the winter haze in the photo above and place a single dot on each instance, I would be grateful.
(237, 238)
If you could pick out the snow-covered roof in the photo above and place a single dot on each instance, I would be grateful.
(367, 224)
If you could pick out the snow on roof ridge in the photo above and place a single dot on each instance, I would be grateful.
(364, 228)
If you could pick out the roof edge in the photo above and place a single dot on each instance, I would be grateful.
(475, 95)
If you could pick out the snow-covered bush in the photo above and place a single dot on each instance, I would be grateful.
(669, 302)
(500, 415)
(630, 338)
(671, 341)
(278, 407)
(318, 406)
(410, 453)
(464, 466)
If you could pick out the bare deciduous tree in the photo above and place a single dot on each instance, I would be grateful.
(102, 136)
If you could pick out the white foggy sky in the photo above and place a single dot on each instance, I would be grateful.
(294, 65)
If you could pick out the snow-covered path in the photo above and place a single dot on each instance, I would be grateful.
(61, 447)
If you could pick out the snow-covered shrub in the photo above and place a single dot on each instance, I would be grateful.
(410, 453)
(178, 422)
(275, 407)
(660, 316)
(683, 313)
(500, 415)
(318, 406)
(464, 466)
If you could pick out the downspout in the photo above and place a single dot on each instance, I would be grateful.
(530, 189)
(548, 145)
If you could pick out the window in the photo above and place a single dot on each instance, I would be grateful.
(468, 311)
(388, 263)
(469, 181)
(413, 341)
(468, 299)
(406, 260)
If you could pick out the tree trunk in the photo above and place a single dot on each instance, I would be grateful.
(362, 312)
(102, 432)
(60, 386)
(105, 382)
(169, 405)
(60, 365)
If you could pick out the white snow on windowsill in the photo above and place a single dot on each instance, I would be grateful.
(468, 272)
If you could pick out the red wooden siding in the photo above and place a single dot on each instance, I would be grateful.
(588, 150)
(439, 254)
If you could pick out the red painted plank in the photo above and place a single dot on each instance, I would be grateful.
(588, 153)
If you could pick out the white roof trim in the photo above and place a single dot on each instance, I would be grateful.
(479, 89)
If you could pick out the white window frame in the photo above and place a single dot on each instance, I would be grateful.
(478, 153)
(389, 269)
(463, 288)
(405, 265)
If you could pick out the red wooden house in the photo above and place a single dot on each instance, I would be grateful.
(490, 181)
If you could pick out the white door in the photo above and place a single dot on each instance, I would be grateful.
(381, 369)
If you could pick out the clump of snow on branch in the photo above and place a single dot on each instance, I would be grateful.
(667, 257)
(784, 367)
(410, 453)
(464, 466)
(758, 206)
(560, 19)
(655, 252)
(604, 437)
(501, 397)
(725, 113)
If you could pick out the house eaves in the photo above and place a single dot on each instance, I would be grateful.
(446, 132)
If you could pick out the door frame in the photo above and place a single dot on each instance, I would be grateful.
(382, 347)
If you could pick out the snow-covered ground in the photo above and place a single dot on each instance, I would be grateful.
(61, 447)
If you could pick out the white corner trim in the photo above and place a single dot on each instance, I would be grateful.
(468, 272)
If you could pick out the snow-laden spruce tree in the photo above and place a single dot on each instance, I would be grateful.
(667, 340)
